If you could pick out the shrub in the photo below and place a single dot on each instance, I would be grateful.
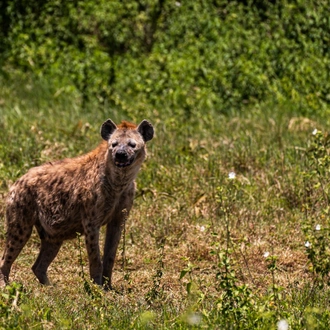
(195, 56)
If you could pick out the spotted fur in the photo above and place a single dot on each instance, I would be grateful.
(77, 195)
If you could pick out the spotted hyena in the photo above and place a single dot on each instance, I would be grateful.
(77, 195)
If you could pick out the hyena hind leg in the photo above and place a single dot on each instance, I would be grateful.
(48, 252)
(15, 242)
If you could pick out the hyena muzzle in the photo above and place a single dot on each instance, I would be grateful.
(78, 195)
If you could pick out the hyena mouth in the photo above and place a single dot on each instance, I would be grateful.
(123, 159)
(124, 162)
(119, 163)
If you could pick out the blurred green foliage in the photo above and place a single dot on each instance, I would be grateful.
(185, 55)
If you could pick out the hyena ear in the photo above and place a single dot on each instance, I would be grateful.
(146, 130)
(107, 128)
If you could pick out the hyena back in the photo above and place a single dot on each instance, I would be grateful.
(77, 195)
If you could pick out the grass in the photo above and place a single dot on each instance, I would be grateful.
(200, 250)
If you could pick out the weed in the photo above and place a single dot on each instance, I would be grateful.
(316, 226)
(156, 293)
(10, 298)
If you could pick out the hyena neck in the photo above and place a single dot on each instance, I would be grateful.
(118, 178)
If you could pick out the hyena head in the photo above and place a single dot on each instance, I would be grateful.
(126, 142)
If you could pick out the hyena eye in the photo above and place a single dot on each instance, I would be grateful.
(114, 144)
(132, 144)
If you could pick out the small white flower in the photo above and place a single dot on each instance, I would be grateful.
(178, 4)
(266, 254)
(200, 228)
(194, 318)
(282, 325)
(232, 175)
(318, 227)
(308, 245)
(314, 131)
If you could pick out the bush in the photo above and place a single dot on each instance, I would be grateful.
(194, 56)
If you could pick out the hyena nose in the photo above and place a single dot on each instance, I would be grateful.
(121, 156)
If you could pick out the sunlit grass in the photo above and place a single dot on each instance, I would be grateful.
(217, 195)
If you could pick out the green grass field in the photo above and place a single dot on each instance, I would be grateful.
(217, 237)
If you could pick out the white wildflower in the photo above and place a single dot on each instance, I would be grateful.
(178, 4)
(266, 254)
(232, 175)
(314, 131)
(308, 245)
(194, 318)
(282, 325)
(318, 227)
(200, 228)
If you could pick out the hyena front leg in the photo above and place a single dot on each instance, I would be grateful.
(113, 234)
(93, 251)
(48, 252)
